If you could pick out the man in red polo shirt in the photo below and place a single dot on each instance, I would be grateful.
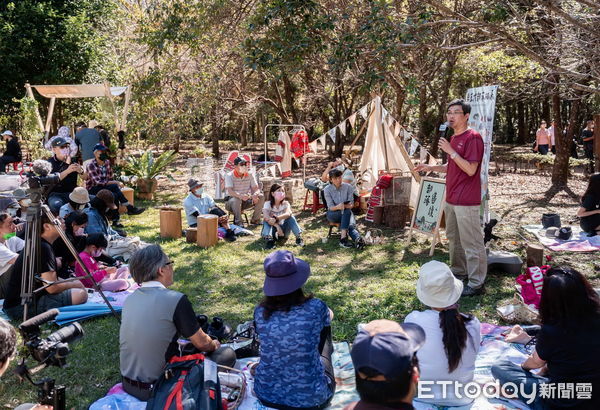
(468, 258)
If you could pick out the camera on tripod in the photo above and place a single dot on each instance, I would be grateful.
(53, 350)
(40, 175)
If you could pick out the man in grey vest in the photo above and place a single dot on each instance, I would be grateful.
(243, 193)
(153, 319)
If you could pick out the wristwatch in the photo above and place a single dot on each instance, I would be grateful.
(454, 155)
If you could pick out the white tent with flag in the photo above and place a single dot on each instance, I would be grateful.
(383, 151)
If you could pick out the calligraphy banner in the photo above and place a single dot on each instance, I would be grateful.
(430, 205)
(481, 119)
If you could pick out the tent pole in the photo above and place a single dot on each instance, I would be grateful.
(29, 93)
(49, 118)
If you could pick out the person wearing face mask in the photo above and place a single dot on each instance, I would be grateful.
(64, 133)
(198, 203)
(243, 193)
(67, 172)
(99, 175)
(75, 223)
(10, 246)
(278, 218)
(109, 278)
(79, 199)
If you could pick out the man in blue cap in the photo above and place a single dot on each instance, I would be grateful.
(386, 365)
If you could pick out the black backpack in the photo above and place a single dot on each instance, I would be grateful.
(188, 382)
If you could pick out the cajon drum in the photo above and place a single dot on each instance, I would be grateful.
(170, 223)
(207, 230)
(191, 235)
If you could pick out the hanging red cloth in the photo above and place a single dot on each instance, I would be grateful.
(299, 145)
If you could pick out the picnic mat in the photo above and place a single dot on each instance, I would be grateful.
(579, 242)
(94, 307)
(493, 349)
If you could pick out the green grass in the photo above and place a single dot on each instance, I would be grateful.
(226, 281)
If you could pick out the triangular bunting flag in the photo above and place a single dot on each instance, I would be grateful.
(278, 165)
(432, 160)
(352, 119)
(406, 135)
(363, 111)
(384, 115)
(390, 122)
(273, 170)
(323, 141)
(342, 127)
(297, 161)
(313, 146)
(331, 134)
(413, 147)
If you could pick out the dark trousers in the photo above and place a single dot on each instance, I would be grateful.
(588, 148)
(326, 351)
(5, 160)
(114, 188)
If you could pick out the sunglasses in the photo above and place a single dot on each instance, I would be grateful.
(169, 263)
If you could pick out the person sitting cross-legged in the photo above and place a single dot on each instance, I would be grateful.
(55, 296)
(199, 203)
(295, 369)
(154, 318)
(243, 193)
(278, 218)
(340, 200)
(384, 355)
(99, 175)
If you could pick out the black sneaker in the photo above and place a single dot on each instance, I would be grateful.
(469, 291)
(134, 210)
(270, 244)
(360, 243)
(345, 243)
(299, 241)
(230, 236)
(118, 225)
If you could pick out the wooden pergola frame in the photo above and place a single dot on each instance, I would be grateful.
(81, 91)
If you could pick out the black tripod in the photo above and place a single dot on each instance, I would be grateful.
(31, 251)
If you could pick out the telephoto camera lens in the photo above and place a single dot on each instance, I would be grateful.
(67, 334)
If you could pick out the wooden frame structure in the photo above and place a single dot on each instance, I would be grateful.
(80, 91)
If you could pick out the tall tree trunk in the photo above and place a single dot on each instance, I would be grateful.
(560, 171)
(422, 112)
(215, 130)
(244, 132)
(522, 131)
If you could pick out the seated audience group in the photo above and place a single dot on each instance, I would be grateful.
(86, 212)
(437, 345)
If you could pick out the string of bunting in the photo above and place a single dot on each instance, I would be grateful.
(387, 119)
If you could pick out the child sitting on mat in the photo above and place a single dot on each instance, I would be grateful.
(109, 278)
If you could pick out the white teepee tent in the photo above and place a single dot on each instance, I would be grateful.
(383, 151)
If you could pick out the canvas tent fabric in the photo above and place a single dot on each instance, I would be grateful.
(77, 90)
(382, 151)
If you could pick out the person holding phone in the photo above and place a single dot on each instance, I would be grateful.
(340, 200)
(67, 172)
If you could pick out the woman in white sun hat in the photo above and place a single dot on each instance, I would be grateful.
(452, 338)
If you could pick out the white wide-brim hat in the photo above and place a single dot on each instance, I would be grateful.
(437, 287)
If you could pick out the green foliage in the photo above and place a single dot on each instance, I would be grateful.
(51, 42)
(201, 152)
(146, 167)
(31, 135)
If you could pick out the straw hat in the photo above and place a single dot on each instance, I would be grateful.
(80, 195)
(437, 287)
